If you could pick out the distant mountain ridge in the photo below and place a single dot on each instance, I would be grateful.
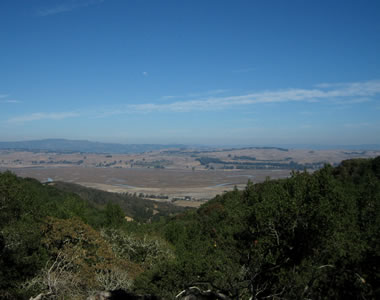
(70, 146)
(67, 146)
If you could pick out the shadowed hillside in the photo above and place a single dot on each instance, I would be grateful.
(138, 208)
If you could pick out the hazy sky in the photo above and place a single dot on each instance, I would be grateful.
(187, 71)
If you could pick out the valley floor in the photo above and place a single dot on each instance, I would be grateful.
(194, 186)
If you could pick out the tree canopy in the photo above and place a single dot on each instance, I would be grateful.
(309, 236)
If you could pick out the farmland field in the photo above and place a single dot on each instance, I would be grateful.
(186, 177)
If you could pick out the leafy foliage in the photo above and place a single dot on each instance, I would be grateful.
(81, 261)
(25, 205)
(310, 236)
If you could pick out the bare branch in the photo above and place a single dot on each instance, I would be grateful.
(274, 232)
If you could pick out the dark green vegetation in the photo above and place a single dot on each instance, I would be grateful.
(311, 236)
(142, 210)
(262, 164)
(49, 162)
(196, 152)
(157, 164)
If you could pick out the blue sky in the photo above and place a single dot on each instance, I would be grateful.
(206, 72)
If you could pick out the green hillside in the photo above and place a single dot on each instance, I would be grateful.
(138, 208)
(311, 236)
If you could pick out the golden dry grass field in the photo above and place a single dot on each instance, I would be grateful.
(178, 174)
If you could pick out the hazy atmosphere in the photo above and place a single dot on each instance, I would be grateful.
(189, 149)
(207, 72)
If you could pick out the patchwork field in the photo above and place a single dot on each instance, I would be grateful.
(185, 177)
(194, 185)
